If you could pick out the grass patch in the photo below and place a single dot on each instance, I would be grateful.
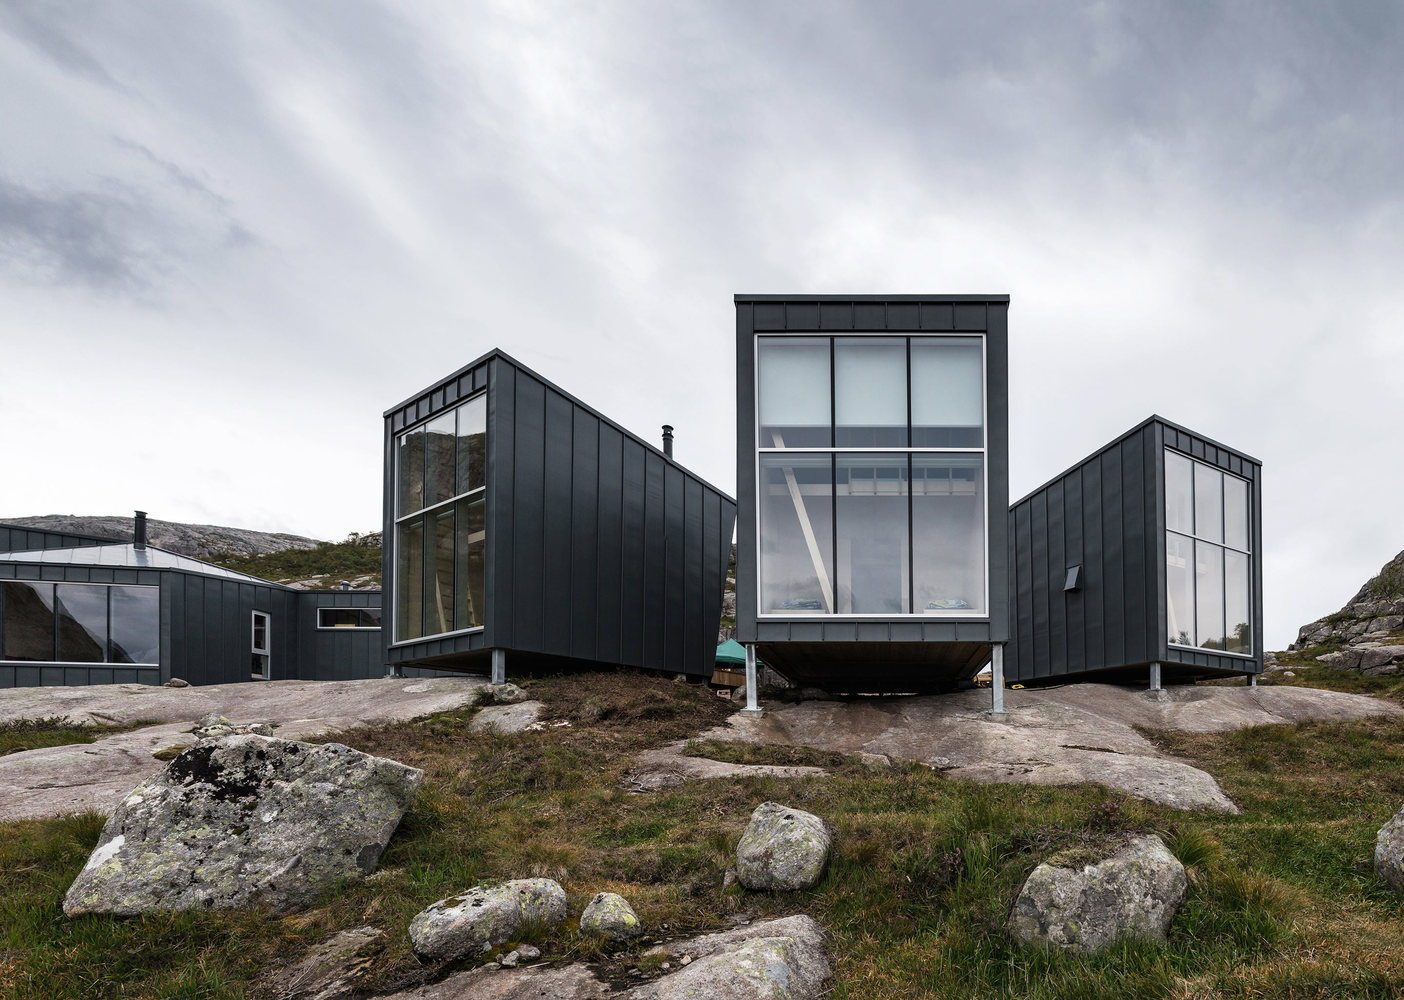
(731, 752)
(1282, 900)
(1318, 675)
(55, 731)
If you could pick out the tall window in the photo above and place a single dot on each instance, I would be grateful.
(871, 475)
(80, 623)
(441, 522)
(1208, 559)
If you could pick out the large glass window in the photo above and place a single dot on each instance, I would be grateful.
(794, 392)
(440, 523)
(1208, 561)
(80, 623)
(872, 502)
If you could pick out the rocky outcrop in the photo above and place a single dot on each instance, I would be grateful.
(775, 959)
(485, 917)
(1369, 629)
(198, 540)
(213, 727)
(1389, 851)
(609, 915)
(782, 848)
(1133, 892)
(330, 970)
(246, 820)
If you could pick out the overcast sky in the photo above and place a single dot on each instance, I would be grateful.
(232, 234)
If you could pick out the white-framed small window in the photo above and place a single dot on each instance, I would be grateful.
(362, 618)
(261, 630)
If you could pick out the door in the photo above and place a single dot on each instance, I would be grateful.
(262, 626)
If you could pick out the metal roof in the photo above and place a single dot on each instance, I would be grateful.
(128, 556)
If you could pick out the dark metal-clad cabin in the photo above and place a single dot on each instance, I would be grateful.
(522, 525)
(102, 611)
(1139, 562)
(872, 471)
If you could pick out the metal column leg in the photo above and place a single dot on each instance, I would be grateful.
(499, 666)
(997, 679)
(752, 694)
(1252, 680)
(1155, 676)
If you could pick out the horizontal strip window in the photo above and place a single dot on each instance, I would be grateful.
(478, 493)
(80, 623)
(355, 618)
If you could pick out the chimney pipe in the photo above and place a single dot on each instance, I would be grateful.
(139, 530)
(668, 440)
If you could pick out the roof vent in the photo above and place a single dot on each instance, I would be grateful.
(668, 440)
(139, 530)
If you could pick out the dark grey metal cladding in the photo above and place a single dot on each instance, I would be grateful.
(326, 654)
(1099, 515)
(598, 547)
(896, 314)
(17, 538)
(1107, 515)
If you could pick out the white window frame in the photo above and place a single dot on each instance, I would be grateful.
(957, 614)
(267, 651)
(1195, 539)
(401, 518)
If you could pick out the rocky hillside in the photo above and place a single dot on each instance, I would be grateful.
(1368, 633)
(198, 540)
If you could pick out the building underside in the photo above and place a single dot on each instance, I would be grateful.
(876, 667)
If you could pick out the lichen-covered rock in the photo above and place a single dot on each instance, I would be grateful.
(1133, 892)
(782, 848)
(330, 970)
(484, 917)
(1389, 851)
(611, 916)
(213, 727)
(242, 821)
(506, 694)
(771, 960)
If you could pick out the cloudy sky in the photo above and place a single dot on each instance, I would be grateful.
(231, 234)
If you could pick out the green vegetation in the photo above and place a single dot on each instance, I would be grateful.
(32, 734)
(1283, 901)
(358, 556)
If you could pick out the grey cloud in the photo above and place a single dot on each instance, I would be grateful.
(80, 237)
(47, 33)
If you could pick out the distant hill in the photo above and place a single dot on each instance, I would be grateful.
(199, 540)
(325, 567)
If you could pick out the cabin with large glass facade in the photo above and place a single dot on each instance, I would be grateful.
(525, 529)
(78, 609)
(1140, 563)
(872, 470)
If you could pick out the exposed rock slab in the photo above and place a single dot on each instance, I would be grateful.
(782, 849)
(775, 960)
(329, 970)
(242, 821)
(507, 719)
(486, 916)
(1389, 851)
(542, 982)
(1074, 734)
(1133, 892)
(54, 780)
(668, 766)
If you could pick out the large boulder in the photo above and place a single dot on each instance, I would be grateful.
(770, 960)
(610, 915)
(242, 821)
(484, 917)
(1389, 851)
(1133, 892)
(782, 848)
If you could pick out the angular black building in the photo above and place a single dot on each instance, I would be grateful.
(872, 472)
(1140, 562)
(79, 609)
(523, 526)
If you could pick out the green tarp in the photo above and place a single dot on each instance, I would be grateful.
(732, 653)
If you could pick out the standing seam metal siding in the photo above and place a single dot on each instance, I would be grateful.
(337, 653)
(598, 547)
(1107, 514)
(898, 315)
